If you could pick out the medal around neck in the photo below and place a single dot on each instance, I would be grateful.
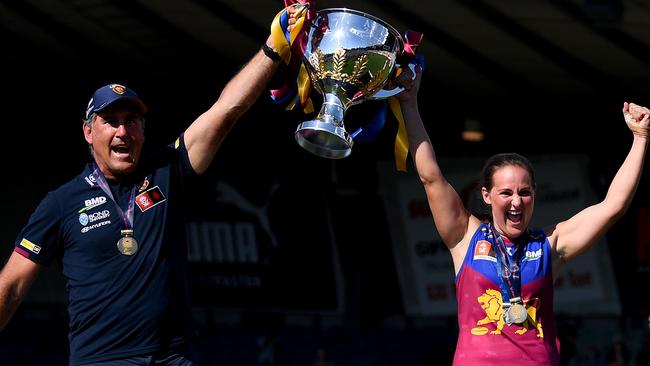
(127, 245)
(515, 312)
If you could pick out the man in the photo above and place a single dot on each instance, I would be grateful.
(117, 229)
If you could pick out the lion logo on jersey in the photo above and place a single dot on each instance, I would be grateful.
(492, 303)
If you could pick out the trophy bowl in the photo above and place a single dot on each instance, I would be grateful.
(350, 56)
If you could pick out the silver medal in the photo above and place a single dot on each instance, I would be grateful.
(516, 314)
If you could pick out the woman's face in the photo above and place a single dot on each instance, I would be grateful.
(512, 199)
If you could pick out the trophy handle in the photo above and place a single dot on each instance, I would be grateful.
(383, 94)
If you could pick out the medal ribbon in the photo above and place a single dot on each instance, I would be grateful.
(127, 218)
(508, 269)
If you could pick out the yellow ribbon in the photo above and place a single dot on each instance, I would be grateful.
(304, 87)
(284, 50)
(277, 33)
(402, 139)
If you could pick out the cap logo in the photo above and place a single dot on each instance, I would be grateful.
(118, 89)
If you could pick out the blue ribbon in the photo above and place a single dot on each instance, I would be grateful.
(508, 268)
(370, 130)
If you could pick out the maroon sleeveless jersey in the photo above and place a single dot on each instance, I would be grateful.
(484, 338)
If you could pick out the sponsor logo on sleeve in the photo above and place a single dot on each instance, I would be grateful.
(30, 246)
(482, 251)
(149, 198)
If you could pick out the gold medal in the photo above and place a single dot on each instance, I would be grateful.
(127, 244)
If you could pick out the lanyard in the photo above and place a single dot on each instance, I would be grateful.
(127, 218)
(508, 268)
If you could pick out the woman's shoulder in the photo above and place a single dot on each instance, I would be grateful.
(477, 229)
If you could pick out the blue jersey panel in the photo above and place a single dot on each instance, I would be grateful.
(482, 256)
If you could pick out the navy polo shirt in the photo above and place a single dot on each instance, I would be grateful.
(119, 305)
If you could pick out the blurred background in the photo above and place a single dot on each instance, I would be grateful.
(299, 260)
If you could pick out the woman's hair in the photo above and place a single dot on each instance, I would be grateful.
(499, 161)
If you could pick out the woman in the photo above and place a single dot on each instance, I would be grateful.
(504, 270)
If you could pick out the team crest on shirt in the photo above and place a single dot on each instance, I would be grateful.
(483, 251)
(492, 303)
(149, 198)
(144, 185)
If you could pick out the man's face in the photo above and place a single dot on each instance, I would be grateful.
(116, 136)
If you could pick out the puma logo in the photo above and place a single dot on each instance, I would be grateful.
(229, 195)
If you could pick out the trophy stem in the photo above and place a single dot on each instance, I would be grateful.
(325, 135)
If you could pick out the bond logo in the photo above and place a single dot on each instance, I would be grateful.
(85, 219)
(118, 89)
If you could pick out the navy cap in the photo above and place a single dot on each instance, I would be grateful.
(107, 94)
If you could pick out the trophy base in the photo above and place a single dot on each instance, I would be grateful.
(324, 139)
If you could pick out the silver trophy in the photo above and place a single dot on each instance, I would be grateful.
(350, 56)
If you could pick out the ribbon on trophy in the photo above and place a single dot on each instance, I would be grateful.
(296, 87)
(368, 132)
(411, 42)
(291, 48)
